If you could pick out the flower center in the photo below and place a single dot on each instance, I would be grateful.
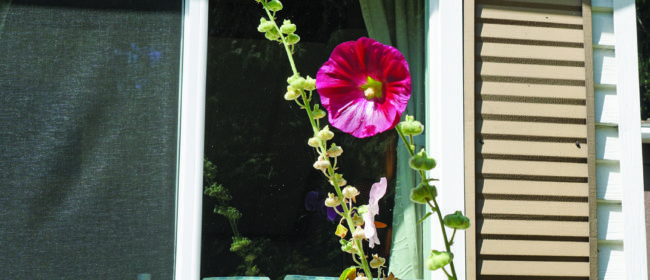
(372, 88)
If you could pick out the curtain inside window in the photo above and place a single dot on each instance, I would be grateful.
(89, 110)
(400, 23)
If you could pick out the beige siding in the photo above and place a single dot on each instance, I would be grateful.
(534, 168)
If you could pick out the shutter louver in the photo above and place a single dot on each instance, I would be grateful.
(530, 167)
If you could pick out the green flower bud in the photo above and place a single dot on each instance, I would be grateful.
(423, 193)
(292, 39)
(421, 161)
(287, 27)
(318, 113)
(274, 5)
(339, 180)
(411, 127)
(438, 259)
(457, 221)
(334, 151)
(310, 84)
(292, 93)
(297, 82)
(272, 34)
(265, 25)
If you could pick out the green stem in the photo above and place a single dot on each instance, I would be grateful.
(434, 208)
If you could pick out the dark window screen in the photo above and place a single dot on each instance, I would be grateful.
(88, 133)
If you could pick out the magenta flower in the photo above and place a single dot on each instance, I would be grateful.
(376, 192)
(365, 86)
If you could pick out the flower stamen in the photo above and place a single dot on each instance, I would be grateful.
(372, 88)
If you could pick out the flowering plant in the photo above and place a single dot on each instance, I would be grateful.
(364, 87)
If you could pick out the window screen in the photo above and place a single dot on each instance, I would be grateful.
(257, 144)
(89, 110)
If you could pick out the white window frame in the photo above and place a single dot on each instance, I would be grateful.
(444, 116)
(189, 194)
(445, 121)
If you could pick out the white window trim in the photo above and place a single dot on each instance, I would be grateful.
(629, 133)
(445, 121)
(189, 194)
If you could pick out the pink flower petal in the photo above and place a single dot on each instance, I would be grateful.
(339, 83)
(377, 191)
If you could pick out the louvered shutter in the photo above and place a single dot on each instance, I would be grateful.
(530, 154)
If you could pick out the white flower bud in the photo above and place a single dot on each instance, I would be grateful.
(313, 142)
(339, 180)
(310, 83)
(360, 276)
(332, 200)
(358, 233)
(325, 134)
(322, 164)
(350, 192)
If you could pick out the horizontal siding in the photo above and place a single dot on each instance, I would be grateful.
(604, 67)
(609, 147)
(608, 181)
(610, 222)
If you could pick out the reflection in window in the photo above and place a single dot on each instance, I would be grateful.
(256, 146)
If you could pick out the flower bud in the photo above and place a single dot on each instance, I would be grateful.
(339, 180)
(297, 82)
(318, 113)
(358, 233)
(334, 151)
(421, 161)
(332, 200)
(325, 134)
(291, 94)
(322, 164)
(411, 127)
(274, 5)
(341, 231)
(287, 27)
(346, 246)
(313, 142)
(310, 83)
(422, 193)
(377, 261)
(457, 221)
(357, 220)
(292, 39)
(350, 192)
(272, 34)
(438, 259)
(265, 25)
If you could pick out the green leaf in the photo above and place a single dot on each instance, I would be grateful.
(425, 217)
(349, 273)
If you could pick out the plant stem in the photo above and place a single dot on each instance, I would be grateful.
(434, 207)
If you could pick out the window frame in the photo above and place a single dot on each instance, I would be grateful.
(443, 86)
(189, 188)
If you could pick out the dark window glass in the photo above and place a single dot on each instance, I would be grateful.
(89, 113)
(257, 142)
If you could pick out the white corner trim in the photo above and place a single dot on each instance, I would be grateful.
(645, 133)
(627, 85)
(189, 189)
(444, 118)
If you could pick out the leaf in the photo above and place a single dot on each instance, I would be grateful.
(349, 274)
(425, 217)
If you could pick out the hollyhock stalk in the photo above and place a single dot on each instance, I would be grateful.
(322, 147)
(434, 207)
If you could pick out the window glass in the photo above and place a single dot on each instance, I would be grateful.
(256, 143)
(89, 117)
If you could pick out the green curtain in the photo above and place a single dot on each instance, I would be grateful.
(400, 23)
